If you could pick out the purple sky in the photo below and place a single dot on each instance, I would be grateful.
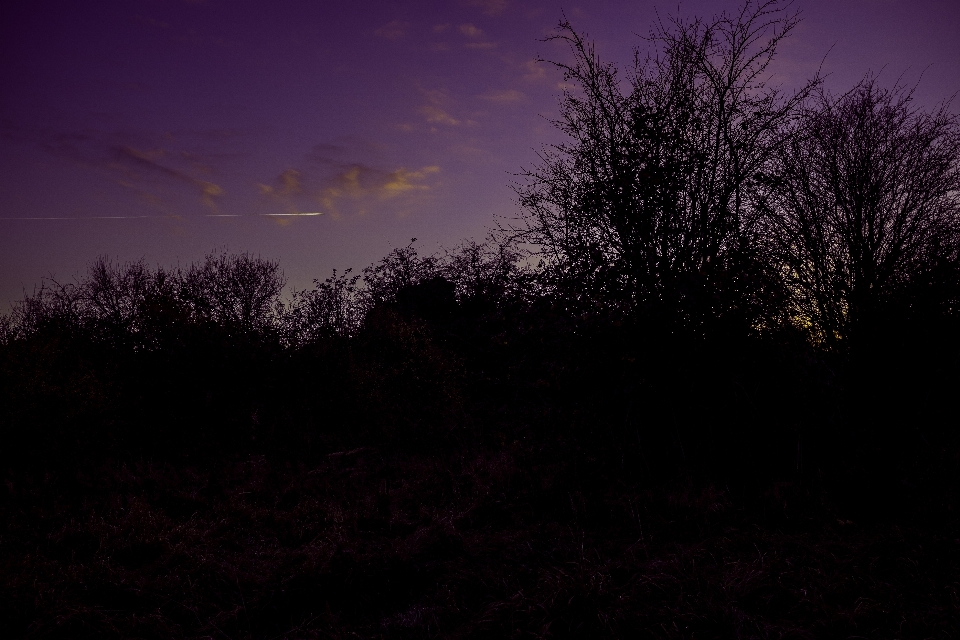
(393, 119)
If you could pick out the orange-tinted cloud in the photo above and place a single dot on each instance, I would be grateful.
(287, 184)
(360, 186)
(141, 162)
(287, 191)
(436, 115)
(131, 161)
(474, 34)
(435, 111)
(471, 31)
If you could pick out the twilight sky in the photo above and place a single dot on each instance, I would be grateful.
(163, 129)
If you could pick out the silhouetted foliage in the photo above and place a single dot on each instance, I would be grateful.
(649, 206)
(240, 290)
(332, 308)
(400, 269)
(487, 273)
(864, 208)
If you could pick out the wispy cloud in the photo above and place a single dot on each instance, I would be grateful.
(534, 71)
(436, 115)
(172, 29)
(360, 184)
(131, 161)
(153, 22)
(351, 187)
(471, 31)
(288, 193)
(474, 35)
(393, 30)
(504, 96)
(436, 110)
(339, 151)
(489, 7)
(288, 183)
(281, 216)
(147, 164)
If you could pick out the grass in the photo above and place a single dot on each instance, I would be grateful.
(512, 541)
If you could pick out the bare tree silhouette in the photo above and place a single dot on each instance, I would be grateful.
(332, 308)
(236, 289)
(649, 203)
(864, 210)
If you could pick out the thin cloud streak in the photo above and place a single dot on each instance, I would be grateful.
(206, 215)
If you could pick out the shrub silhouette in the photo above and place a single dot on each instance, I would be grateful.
(648, 417)
(864, 212)
(649, 206)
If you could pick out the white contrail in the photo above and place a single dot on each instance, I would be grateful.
(270, 215)
(88, 218)
(206, 215)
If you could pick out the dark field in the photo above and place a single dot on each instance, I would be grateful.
(448, 470)
(509, 543)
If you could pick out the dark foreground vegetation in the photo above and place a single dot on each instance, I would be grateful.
(704, 388)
